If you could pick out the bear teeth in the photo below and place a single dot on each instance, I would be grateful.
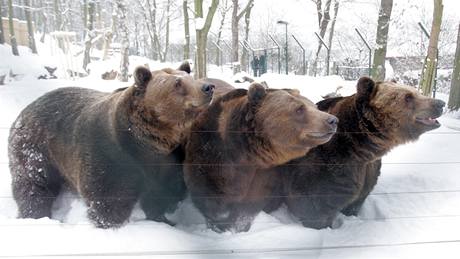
(427, 121)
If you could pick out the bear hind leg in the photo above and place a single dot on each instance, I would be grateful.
(35, 191)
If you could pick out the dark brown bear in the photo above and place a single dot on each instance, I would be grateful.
(112, 148)
(239, 136)
(339, 175)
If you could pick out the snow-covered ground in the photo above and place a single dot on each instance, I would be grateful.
(413, 212)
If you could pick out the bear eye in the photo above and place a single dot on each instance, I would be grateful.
(178, 82)
(300, 109)
(408, 98)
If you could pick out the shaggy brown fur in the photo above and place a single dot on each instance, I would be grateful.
(239, 136)
(338, 176)
(112, 148)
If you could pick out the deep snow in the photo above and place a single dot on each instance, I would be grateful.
(413, 212)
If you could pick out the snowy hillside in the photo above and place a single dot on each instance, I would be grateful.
(413, 212)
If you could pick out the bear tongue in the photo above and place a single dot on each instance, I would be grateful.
(427, 121)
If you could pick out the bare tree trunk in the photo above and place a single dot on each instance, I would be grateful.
(108, 36)
(235, 33)
(91, 14)
(136, 38)
(57, 15)
(90, 35)
(30, 28)
(202, 35)
(99, 15)
(186, 30)
(156, 54)
(323, 21)
(148, 22)
(14, 43)
(156, 32)
(124, 33)
(2, 35)
(380, 52)
(429, 74)
(85, 13)
(168, 19)
(247, 19)
(236, 17)
(331, 30)
(223, 11)
(454, 96)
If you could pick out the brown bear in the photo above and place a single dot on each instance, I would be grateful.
(339, 175)
(112, 148)
(237, 138)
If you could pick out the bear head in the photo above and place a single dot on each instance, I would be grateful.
(168, 100)
(398, 112)
(292, 123)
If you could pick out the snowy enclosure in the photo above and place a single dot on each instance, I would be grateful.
(413, 212)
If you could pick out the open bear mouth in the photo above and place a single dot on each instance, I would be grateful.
(429, 121)
(320, 135)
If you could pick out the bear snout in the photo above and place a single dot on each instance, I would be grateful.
(208, 89)
(332, 123)
(439, 104)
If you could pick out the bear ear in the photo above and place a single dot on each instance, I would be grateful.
(256, 93)
(142, 76)
(185, 66)
(365, 88)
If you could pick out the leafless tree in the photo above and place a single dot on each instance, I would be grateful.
(223, 9)
(124, 33)
(186, 30)
(236, 17)
(203, 24)
(428, 74)
(14, 43)
(247, 19)
(454, 96)
(30, 29)
(323, 22)
(380, 52)
(2, 35)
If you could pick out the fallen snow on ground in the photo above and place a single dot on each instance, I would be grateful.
(413, 212)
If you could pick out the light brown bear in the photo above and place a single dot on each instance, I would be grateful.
(112, 148)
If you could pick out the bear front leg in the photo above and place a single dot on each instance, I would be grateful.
(110, 199)
(106, 212)
(372, 174)
(354, 208)
(318, 210)
(217, 212)
(163, 189)
(157, 202)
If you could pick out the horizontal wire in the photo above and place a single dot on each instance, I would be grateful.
(264, 197)
(237, 251)
(287, 164)
(455, 132)
(147, 222)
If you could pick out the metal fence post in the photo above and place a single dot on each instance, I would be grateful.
(369, 48)
(279, 52)
(328, 52)
(303, 54)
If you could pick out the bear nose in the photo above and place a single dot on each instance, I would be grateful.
(439, 104)
(332, 121)
(208, 88)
